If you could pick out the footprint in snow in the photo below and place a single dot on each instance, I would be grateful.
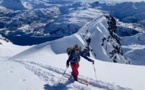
(23, 80)
(11, 71)
(11, 67)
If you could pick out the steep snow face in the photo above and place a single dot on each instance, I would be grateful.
(104, 42)
(94, 36)
(12, 4)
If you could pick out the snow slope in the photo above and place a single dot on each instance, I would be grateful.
(8, 49)
(42, 68)
(46, 63)
(68, 16)
(14, 76)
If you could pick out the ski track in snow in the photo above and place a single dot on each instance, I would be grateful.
(52, 75)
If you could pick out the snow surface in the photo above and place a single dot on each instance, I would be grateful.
(41, 67)
(134, 48)
(7, 49)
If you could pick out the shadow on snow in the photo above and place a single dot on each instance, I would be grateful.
(59, 86)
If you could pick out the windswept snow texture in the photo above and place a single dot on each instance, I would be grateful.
(41, 67)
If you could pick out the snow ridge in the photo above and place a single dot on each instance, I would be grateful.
(96, 31)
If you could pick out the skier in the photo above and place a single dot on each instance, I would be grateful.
(74, 59)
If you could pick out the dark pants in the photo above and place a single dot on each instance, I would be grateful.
(75, 71)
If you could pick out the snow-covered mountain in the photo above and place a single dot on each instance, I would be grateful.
(73, 20)
(102, 41)
(45, 20)
(129, 13)
(41, 19)
(41, 67)
(58, 18)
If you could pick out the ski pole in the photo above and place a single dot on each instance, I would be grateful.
(95, 71)
(63, 74)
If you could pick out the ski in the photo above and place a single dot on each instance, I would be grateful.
(79, 80)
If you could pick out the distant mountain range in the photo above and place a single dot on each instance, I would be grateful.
(43, 20)
(58, 18)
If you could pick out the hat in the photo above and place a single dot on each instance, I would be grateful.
(76, 46)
